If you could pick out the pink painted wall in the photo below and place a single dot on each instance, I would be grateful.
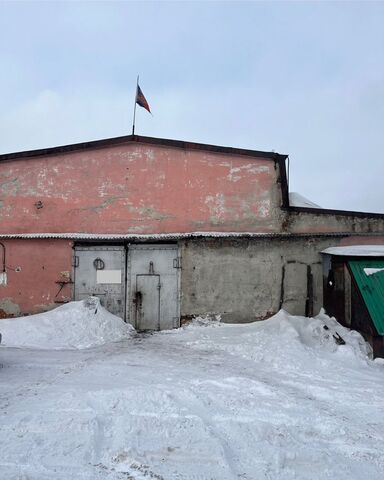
(42, 263)
(139, 188)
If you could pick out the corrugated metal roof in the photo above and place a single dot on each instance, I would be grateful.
(174, 236)
(369, 276)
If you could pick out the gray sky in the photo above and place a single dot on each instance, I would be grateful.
(304, 78)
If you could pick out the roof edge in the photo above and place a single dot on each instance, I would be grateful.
(108, 142)
(175, 236)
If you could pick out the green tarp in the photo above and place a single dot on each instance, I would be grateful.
(369, 276)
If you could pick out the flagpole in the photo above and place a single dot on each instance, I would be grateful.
(134, 108)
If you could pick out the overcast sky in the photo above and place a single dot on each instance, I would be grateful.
(303, 78)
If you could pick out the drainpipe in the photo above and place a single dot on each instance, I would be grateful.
(2, 265)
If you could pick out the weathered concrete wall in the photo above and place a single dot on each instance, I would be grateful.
(33, 268)
(139, 188)
(305, 222)
(248, 279)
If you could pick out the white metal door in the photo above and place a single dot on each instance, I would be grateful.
(153, 292)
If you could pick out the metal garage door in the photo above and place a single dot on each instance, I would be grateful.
(147, 297)
(100, 272)
(153, 301)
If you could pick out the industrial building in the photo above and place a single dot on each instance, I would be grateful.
(164, 230)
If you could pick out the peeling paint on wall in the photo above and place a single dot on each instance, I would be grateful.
(3, 279)
(216, 205)
(9, 187)
(8, 308)
(136, 187)
(236, 173)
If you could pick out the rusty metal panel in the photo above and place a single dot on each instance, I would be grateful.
(151, 261)
(100, 272)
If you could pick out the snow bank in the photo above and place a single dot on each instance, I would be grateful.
(284, 340)
(75, 325)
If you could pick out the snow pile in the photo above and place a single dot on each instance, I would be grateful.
(205, 321)
(75, 325)
(284, 340)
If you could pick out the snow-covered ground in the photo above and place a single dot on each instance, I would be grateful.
(277, 400)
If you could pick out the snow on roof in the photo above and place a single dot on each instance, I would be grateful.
(357, 251)
(297, 200)
(372, 271)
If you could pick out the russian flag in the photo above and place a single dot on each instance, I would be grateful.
(141, 100)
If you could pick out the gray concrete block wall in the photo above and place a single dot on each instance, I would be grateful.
(296, 221)
(244, 280)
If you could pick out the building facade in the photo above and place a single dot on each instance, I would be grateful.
(163, 231)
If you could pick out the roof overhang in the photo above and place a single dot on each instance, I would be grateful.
(356, 251)
(130, 139)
